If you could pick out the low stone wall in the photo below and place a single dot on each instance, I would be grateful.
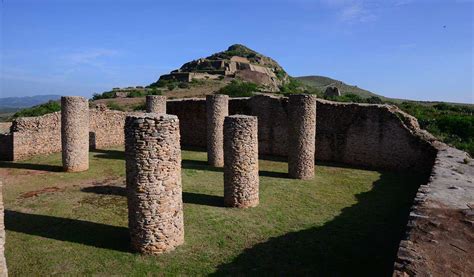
(440, 238)
(3, 263)
(375, 136)
(106, 128)
(41, 135)
(36, 135)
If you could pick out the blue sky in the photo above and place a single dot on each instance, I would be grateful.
(419, 50)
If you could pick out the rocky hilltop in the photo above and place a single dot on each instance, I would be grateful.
(237, 62)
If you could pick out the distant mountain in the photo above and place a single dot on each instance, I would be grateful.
(26, 101)
(321, 83)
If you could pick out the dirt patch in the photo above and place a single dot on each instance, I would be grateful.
(35, 193)
(440, 245)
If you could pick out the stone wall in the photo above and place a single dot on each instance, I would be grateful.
(36, 135)
(440, 239)
(3, 263)
(375, 136)
(33, 136)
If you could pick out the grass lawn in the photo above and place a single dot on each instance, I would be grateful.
(344, 222)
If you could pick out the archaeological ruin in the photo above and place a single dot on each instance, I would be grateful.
(155, 104)
(302, 134)
(153, 179)
(241, 184)
(217, 108)
(75, 133)
(300, 129)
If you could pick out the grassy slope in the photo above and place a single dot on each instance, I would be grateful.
(321, 83)
(345, 221)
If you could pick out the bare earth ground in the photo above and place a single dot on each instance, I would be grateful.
(345, 221)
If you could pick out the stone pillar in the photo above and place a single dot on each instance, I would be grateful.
(301, 136)
(217, 108)
(75, 133)
(153, 177)
(241, 161)
(156, 104)
(3, 264)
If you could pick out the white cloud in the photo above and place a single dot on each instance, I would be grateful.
(90, 57)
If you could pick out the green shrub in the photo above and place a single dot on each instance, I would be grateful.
(238, 88)
(114, 106)
(293, 86)
(49, 107)
(171, 86)
(135, 94)
(104, 95)
(154, 92)
(183, 85)
(140, 107)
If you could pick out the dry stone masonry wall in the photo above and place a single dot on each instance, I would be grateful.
(3, 263)
(302, 135)
(153, 176)
(156, 104)
(75, 133)
(241, 184)
(217, 108)
(374, 136)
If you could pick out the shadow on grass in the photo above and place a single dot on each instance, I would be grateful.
(188, 197)
(71, 230)
(109, 154)
(39, 167)
(203, 199)
(106, 190)
(361, 241)
(199, 165)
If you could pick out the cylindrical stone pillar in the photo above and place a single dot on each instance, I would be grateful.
(217, 108)
(153, 177)
(301, 136)
(75, 133)
(156, 104)
(241, 182)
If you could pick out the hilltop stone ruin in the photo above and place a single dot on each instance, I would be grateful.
(238, 62)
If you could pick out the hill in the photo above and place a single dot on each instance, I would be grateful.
(237, 62)
(321, 83)
(13, 103)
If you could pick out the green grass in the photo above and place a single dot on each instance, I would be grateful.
(346, 221)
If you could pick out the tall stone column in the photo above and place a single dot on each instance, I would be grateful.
(3, 264)
(241, 182)
(217, 108)
(301, 136)
(153, 174)
(75, 133)
(156, 104)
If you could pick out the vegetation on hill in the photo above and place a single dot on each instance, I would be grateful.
(48, 107)
(134, 93)
(237, 88)
(321, 83)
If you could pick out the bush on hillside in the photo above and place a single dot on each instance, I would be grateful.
(114, 106)
(49, 107)
(238, 88)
